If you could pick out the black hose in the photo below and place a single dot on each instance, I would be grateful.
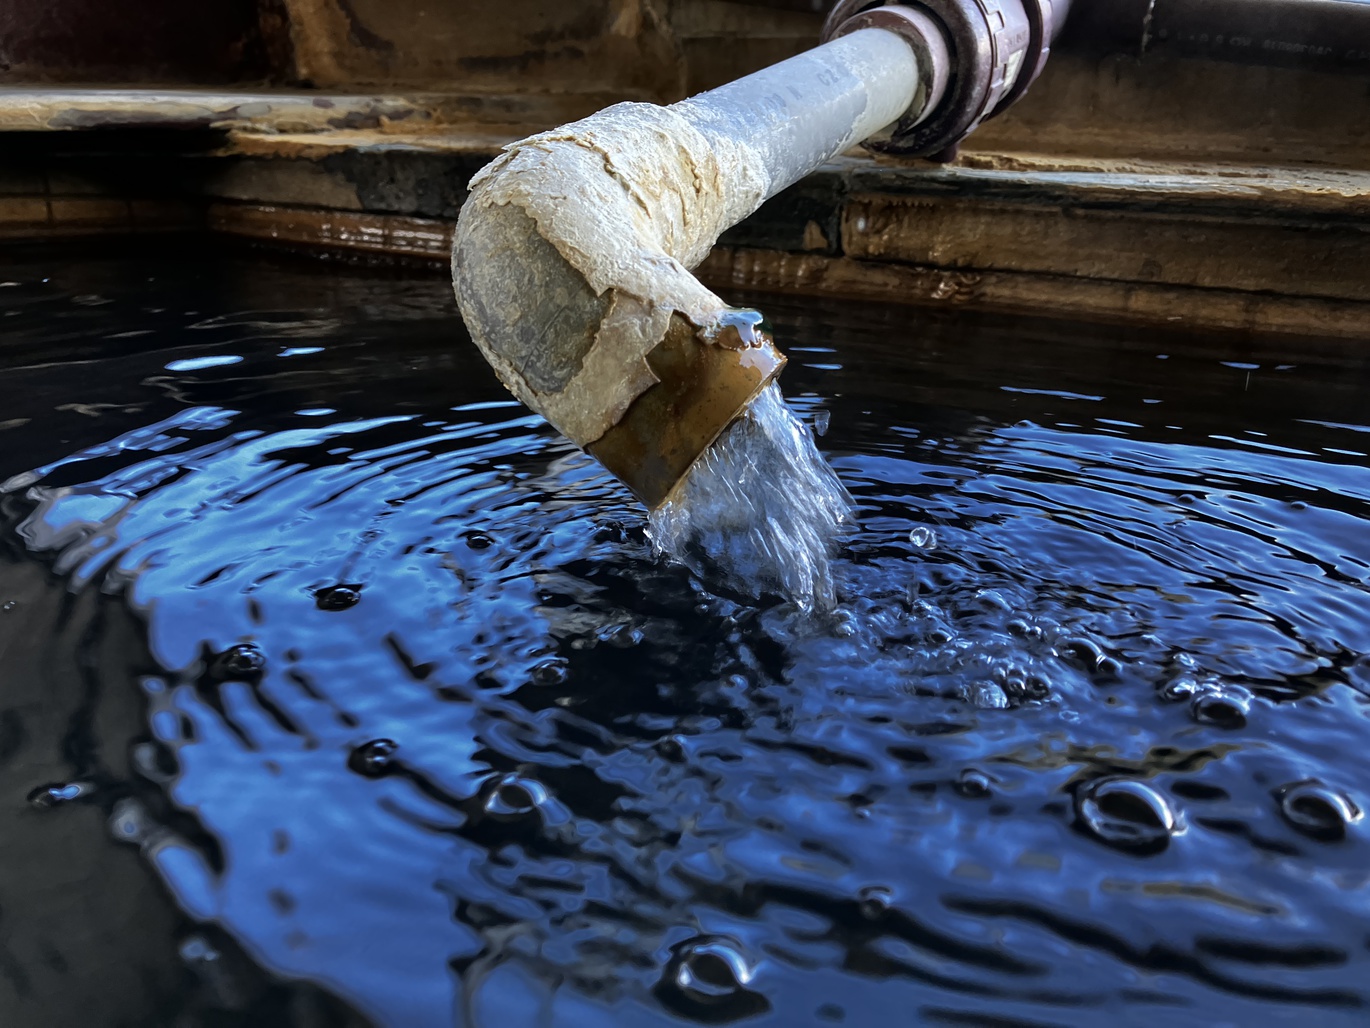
(1326, 35)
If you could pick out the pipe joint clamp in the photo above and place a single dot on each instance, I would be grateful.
(976, 58)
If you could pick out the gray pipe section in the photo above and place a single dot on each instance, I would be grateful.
(571, 254)
(803, 111)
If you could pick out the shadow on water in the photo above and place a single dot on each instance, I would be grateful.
(339, 689)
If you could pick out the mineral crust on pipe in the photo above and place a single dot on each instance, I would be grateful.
(574, 248)
(628, 199)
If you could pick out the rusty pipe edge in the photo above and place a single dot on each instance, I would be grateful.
(571, 256)
(984, 53)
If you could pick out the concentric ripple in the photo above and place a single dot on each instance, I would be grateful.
(382, 682)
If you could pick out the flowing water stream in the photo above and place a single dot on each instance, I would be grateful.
(760, 513)
(339, 689)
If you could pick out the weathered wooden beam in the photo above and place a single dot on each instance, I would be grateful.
(1126, 303)
(385, 235)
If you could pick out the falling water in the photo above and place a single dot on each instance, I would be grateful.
(760, 511)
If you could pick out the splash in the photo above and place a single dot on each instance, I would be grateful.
(760, 512)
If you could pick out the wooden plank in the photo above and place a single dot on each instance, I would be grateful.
(1156, 242)
(390, 235)
(1144, 304)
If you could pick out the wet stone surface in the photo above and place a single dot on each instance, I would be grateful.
(339, 690)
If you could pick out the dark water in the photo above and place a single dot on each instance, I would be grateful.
(337, 689)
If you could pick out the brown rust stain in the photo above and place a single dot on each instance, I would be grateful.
(701, 388)
(485, 140)
(831, 276)
(519, 46)
(1130, 303)
(429, 240)
(1179, 242)
(814, 237)
(358, 33)
(1233, 191)
(389, 235)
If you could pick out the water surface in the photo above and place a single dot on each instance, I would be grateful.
(340, 690)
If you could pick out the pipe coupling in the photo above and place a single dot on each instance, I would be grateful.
(981, 56)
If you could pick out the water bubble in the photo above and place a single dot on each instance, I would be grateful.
(338, 597)
(1180, 688)
(1317, 809)
(217, 978)
(154, 761)
(513, 798)
(671, 748)
(196, 948)
(973, 783)
(1109, 667)
(993, 600)
(1222, 708)
(611, 530)
(985, 695)
(938, 636)
(1083, 653)
(1126, 813)
(621, 636)
(129, 822)
(707, 978)
(874, 900)
(9, 605)
(241, 663)
(550, 672)
(55, 794)
(1034, 688)
(711, 969)
(1013, 680)
(843, 624)
(821, 420)
(373, 759)
(479, 540)
(923, 538)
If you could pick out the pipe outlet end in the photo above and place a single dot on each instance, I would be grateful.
(703, 384)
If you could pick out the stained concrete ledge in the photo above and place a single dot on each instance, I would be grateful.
(1256, 248)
